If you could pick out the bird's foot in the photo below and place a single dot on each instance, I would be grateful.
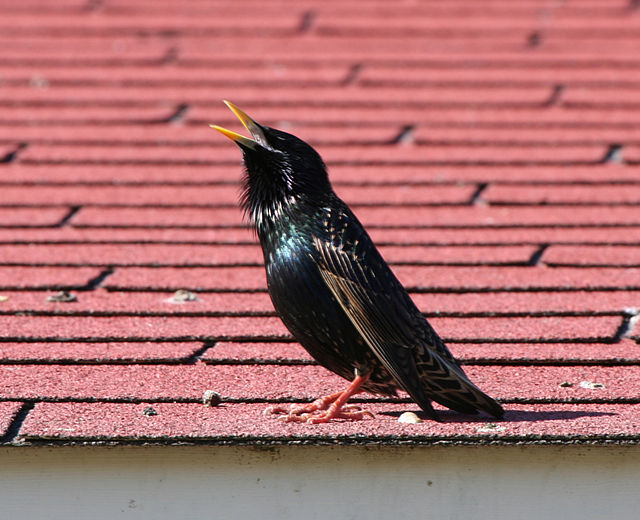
(325, 409)
(320, 411)
(349, 413)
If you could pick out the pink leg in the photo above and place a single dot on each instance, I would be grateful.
(326, 408)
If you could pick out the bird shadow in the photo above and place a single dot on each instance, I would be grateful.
(509, 416)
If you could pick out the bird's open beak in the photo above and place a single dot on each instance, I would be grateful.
(257, 139)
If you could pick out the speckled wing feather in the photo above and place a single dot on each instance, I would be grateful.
(401, 338)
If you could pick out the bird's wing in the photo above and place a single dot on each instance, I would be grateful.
(381, 310)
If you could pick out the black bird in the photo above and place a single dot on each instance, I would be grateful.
(334, 291)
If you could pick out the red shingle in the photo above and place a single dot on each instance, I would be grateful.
(632, 154)
(480, 137)
(481, 115)
(67, 352)
(120, 173)
(29, 277)
(122, 195)
(461, 216)
(16, 217)
(113, 154)
(6, 149)
(62, 328)
(497, 173)
(524, 8)
(489, 237)
(42, 49)
(98, 115)
(467, 154)
(156, 136)
(437, 53)
(45, 7)
(188, 382)
(161, 254)
(132, 254)
(586, 302)
(554, 328)
(8, 411)
(625, 352)
(245, 422)
(457, 255)
(401, 94)
(590, 43)
(520, 73)
(126, 76)
(577, 353)
(215, 195)
(104, 302)
(552, 137)
(82, 25)
(279, 85)
(604, 96)
(427, 278)
(332, 154)
(197, 278)
(572, 194)
(404, 26)
(239, 352)
(516, 278)
(161, 382)
(500, 236)
(499, 303)
(500, 216)
(594, 255)
(204, 236)
(340, 174)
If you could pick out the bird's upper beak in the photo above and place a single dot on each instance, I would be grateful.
(257, 139)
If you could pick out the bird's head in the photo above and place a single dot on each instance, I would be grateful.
(282, 171)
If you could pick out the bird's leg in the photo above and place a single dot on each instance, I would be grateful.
(326, 408)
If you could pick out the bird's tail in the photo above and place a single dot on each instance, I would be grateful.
(471, 400)
(446, 383)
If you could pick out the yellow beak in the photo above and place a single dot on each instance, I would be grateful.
(257, 135)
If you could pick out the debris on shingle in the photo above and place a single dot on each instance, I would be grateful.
(491, 428)
(182, 296)
(211, 398)
(62, 297)
(149, 411)
(409, 418)
(39, 82)
(591, 385)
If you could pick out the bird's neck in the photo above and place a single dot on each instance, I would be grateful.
(281, 221)
(268, 216)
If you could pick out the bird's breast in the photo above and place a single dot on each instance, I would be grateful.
(309, 309)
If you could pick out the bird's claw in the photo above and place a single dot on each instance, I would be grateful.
(312, 414)
(328, 416)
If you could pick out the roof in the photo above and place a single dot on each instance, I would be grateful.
(490, 149)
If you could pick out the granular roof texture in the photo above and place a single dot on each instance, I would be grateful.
(492, 150)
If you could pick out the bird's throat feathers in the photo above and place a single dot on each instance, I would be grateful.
(271, 197)
(265, 203)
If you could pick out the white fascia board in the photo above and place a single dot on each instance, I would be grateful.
(319, 482)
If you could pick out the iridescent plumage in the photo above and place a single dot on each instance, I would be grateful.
(332, 288)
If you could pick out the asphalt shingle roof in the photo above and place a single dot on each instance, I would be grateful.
(491, 149)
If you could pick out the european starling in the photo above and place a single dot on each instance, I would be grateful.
(334, 291)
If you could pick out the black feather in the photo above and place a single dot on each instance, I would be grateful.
(332, 288)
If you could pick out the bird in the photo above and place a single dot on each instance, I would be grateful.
(334, 291)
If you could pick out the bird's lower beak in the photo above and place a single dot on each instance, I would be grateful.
(257, 139)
